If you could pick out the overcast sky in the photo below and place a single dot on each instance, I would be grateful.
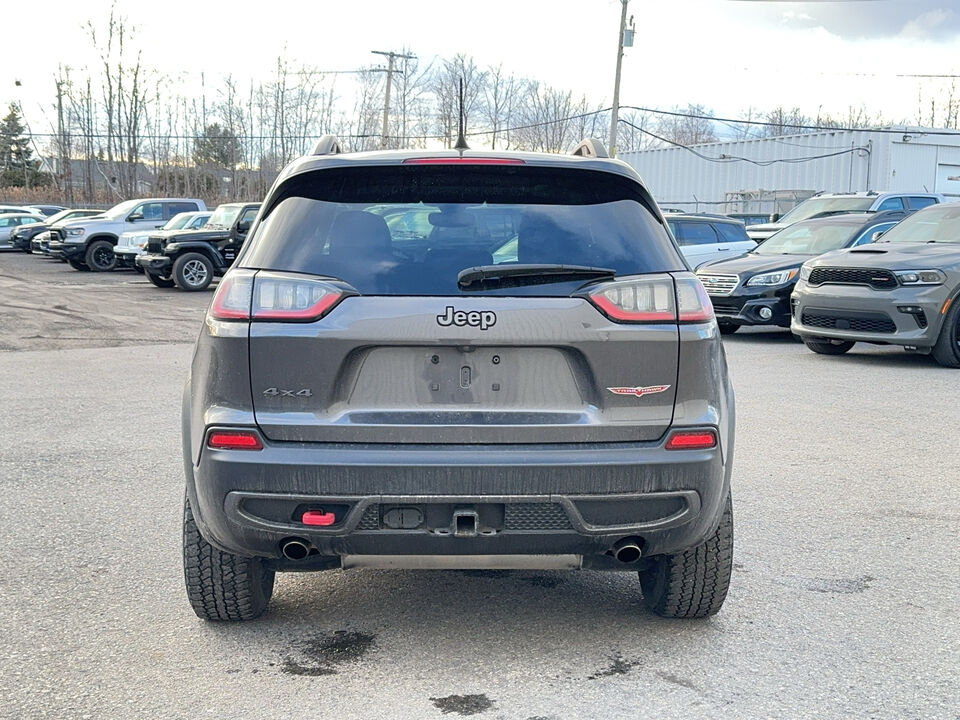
(726, 54)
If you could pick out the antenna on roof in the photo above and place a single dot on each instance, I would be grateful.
(461, 138)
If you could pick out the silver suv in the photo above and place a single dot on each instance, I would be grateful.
(826, 204)
(458, 359)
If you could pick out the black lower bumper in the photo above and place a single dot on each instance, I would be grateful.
(156, 264)
(425, 500)
(67, 251)
(750, 308)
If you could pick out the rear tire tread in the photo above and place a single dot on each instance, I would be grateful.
(220, 585)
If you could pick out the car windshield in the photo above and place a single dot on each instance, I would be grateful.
(936, 224)
(810, 238)
(224, 216)
(413, 230)
(177, 221)
(815, 206)
(122, 209)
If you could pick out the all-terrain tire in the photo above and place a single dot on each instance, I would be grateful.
(693, 583)
(99, 256)
(222, 586)
(159, 280)
(826, 347)
(728, 328)
(77, 265)
(947, 349)
(193, 272)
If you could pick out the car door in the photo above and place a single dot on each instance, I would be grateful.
(697, 239)
(917, 202)
(733, 239)
(148, 214)
(891, 203)
(7, 224)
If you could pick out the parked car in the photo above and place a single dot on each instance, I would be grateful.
(352, 406)
(134, 243)
(7, 209)
(87, 244)
(754, 289)
(824, 204)
(47, 210)
(190, 259)
(22, 237)
(10, 222)
(904, 290)
(708, 237)
(750, 218)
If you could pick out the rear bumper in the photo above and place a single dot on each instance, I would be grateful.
(527, 500)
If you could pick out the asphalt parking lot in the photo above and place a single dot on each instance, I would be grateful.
(843, 605)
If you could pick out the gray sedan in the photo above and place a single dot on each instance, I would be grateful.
(900, 291)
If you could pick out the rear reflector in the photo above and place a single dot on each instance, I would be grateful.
(463, 161)
(692, 440)
(234, 440)
(318, 517)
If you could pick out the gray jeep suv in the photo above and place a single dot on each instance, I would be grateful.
(902, 290)
(458, 359)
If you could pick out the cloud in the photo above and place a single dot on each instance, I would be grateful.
(854, 19)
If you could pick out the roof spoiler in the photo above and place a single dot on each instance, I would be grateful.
(327, 145)
(591, 148)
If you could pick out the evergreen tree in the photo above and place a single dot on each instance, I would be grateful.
(17, 165)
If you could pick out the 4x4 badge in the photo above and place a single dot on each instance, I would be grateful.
(639, 391)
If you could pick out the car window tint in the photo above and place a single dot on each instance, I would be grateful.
(731, 232)
(891, 203)
(150, 211)
(695, 233)
(870, 234)
(179, 207)
(921, 202)
(411, 230)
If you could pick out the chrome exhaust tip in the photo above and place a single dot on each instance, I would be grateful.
(295, 549)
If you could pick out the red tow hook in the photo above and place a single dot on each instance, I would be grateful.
(318, 517)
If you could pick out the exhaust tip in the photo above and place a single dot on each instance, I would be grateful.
(627, 551)
(295, 549)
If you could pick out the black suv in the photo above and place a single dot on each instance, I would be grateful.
(192, 258)
(429, 360)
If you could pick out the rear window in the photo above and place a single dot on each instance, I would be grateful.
(409, 230)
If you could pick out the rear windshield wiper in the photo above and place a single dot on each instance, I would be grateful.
(484, 277)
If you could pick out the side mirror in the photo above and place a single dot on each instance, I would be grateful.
(878, 235)
(774, 217)
(243, 227)
(134, 217)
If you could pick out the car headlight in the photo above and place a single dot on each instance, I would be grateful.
(805, 271)
(921, 277)
(774, 278)
(76, 232)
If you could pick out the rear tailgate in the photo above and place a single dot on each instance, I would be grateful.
(392, 370)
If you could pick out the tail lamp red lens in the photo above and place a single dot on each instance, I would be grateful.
(234, 440)
(654, 299)
(692, 440)
(273, 296)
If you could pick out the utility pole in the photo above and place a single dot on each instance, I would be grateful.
(391, 56)
(615, 110)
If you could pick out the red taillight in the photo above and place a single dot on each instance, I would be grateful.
(644, 300)
(234, 440)
(463, 161)
(692, 440)
(318, 518)
(273, 296)
(694, 303)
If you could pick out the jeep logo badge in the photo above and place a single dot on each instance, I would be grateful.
(482, 319)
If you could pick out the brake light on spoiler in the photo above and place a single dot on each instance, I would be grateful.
(273, 296)
(460, 160)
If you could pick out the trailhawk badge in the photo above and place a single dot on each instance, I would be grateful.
(639, 391)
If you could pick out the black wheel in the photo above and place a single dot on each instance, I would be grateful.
(694, 583)
(159, 280)
(947, 350)
(222, 586)
(728, 328)
(77, 265)
(100, 257)
(193, 272)
(828, 347)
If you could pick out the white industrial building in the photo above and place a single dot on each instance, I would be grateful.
(767, 175)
